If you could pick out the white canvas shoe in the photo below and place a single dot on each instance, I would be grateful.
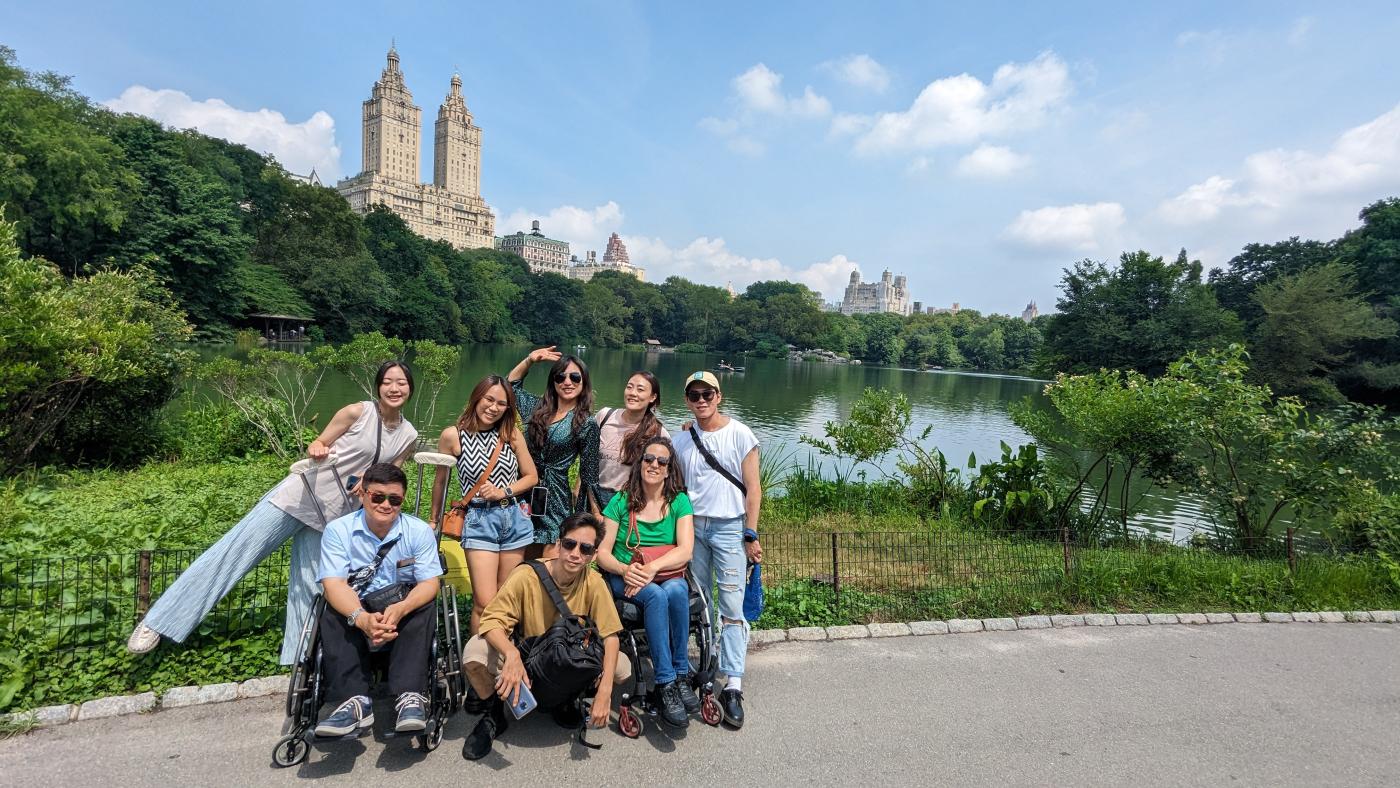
(142, 639)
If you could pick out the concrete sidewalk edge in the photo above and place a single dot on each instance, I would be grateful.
(178, 697)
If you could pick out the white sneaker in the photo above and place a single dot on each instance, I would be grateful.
(142, 639)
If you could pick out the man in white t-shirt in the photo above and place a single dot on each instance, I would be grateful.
(725, 493)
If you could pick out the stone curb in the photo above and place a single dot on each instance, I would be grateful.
(177, 697)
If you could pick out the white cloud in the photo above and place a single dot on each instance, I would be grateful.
(299, 147)
(861, 71)
(760, 89)
(1363, 163)
(963, 109)
(747, 146)
(1078, 227)
(583, 228)
(918, 166)
(710, 261)
(991, 162)
(847, 125)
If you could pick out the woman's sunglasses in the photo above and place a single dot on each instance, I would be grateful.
(698, 394)
(662, 461)
(394, 500)
(569, 545)
(573, 377)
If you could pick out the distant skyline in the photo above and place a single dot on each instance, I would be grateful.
(976, 149)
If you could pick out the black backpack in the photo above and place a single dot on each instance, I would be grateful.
(567, 659)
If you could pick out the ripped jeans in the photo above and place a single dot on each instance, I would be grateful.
(719, 559)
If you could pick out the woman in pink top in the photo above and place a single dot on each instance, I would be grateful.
(623, 432)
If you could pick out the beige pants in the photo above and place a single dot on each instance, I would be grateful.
(484, 663)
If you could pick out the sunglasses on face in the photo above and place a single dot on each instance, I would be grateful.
(662, 461)
(695, 395)
(569, 545)
(572, 377)
(394, 500)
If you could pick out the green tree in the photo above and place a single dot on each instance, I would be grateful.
(487, 293)
(883, 343)
(62, 181)
(1141, 315)
(1373, 250)
(1259, 264)
(421, 303)
(602, 316)
(85, 365)
(1311, 321)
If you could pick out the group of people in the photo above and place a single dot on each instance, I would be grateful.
(646, 508)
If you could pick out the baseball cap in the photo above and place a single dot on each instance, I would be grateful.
(702, 377)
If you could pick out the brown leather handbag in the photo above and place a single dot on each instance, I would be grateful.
(650, 554)
(455, 518)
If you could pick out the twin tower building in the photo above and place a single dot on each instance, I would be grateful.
(448, 209)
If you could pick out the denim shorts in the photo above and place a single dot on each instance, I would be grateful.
(497, 528)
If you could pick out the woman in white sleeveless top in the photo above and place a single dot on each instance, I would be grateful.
(359, 434)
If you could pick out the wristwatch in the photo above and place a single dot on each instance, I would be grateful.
(354, 614)
(750, 535)
(509, 494)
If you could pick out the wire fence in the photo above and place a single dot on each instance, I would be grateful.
(809, 577)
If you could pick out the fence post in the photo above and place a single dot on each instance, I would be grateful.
(1064, 547)
(1292, 556)
(835, 572)
(143, 583)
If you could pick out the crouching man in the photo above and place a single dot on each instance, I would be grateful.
(495, 666)
(379, 573)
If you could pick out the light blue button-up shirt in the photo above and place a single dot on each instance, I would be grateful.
(348, 544)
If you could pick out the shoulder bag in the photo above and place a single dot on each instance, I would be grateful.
(376, 601)
(567, 659)
(646, 555)
(455, 518)
(714, 463)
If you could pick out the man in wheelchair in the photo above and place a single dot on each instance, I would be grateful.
(523, 608)
(379, 573)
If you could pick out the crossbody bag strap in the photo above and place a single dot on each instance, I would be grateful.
(714, 463)
(632, 532)
(366, 573)
(378, 431)
(552, 589)
(607, 414)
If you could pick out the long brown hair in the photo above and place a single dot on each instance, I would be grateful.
(673, 486)
(506, 424)
(537, 428)
(634, 442)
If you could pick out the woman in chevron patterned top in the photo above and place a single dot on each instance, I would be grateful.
(496, 473)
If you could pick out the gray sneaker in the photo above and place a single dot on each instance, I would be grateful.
(412, 716)
(353, 715)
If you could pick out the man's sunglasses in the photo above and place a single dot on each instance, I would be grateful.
(569, 545)
(695, 395)
(394, 500)
(662, 461)
(573, 377)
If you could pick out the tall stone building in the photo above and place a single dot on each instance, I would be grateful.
(1031, 312)
(615, 258)
(544, 255)
(890, 294)
(448, 209)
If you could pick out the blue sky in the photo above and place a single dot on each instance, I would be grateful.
(977, 148)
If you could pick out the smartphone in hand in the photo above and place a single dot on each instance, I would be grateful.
(524, 702)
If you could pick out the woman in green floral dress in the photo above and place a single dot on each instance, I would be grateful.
(559, 428)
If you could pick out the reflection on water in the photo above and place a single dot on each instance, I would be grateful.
(781, 400)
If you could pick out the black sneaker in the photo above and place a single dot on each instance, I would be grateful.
(491, 725)
(731, 702)
(672, 708)
(688, 696)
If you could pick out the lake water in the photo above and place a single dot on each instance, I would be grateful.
(782, 400)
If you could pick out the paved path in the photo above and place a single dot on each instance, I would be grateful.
(1248, 704)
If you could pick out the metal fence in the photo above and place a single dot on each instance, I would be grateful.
(809, 577)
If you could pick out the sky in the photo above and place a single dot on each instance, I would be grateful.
(977, 148)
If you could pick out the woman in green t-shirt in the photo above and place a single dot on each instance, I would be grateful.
(653, 511)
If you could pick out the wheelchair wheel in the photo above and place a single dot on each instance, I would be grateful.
(297, 686)
(629, 723)
(430, 739)
(709, 709)
(290, 751)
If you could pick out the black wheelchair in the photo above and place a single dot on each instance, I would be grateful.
(635, 701)
(306, 689)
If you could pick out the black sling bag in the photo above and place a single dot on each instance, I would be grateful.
(714, 463)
